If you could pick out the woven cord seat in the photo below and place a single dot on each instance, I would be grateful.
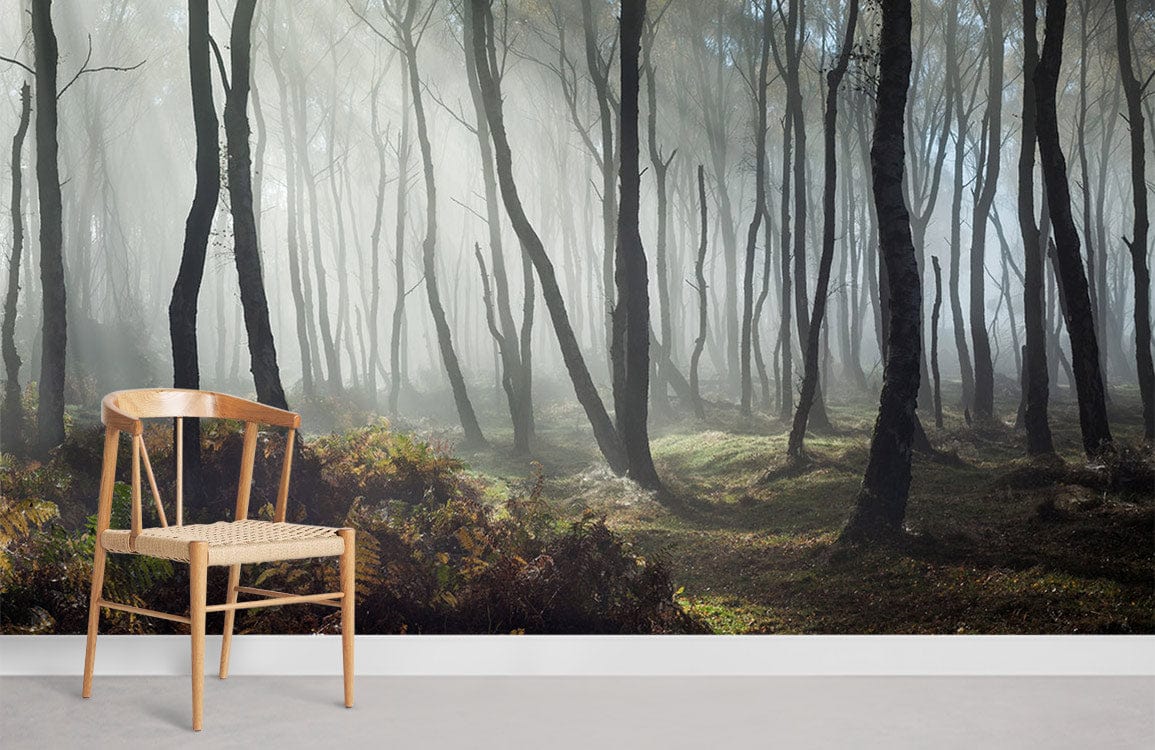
(230, 543)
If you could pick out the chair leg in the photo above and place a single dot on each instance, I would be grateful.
(348, 605)
(230, 617)
(198, 585)
(93, 617)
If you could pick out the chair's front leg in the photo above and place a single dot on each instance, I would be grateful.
(230, 618)
(348, 605)
(93, 617)
(198, 590)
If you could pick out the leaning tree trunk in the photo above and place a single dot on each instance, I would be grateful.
(830, 128)
(182, 310)
(604, 432)
(703, 307)
(11, 411)
(881, 503)
(1077, 311)
(54, 342)
(1138, 242)
(984, 405)
(1036, 385)
(262, 349)
(469, 424)
(632, 309)
(515, 365)
(747, 341)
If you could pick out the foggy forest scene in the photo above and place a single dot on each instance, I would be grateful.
(601, 316)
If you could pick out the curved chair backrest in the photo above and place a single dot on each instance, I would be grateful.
(125, 411)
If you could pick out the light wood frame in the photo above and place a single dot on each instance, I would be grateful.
(125, 412)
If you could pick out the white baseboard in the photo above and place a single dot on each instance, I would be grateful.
(433, 655)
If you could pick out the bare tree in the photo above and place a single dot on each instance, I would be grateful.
(182, 310)
(834, 78)
(1138, 242)
(759, 84)
(604, 432)
(881, 503)
(1036, 385)
(1077, 306)
(703, 309)
(631, 340)
(986, 184)
(262, 349)
(11, 411)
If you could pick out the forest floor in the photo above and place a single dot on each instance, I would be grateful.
(757, 554)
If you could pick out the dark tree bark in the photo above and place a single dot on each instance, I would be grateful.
(631, 352)
(703, 308)
(1077, 311)
(954, 279)
(54, 322)
(11, 411)
(1133, 90)
(603, 428)
(794, 447)
(881, 503)
(747, 380)
(934, 341)
(785, 348)
(182, 310)
(262, 349)
(1036, 385)
(984, 405)
(515, 366)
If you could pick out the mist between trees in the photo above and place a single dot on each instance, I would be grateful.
(470, 212)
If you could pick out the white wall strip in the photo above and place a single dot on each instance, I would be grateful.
(434, 655)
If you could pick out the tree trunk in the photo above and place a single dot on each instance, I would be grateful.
(806, 398)
(514, 367)
(604, 432)
(881, 504)
(747, 380)
(1036, 385)
(631, 352)
(1080, 322)
(1138, 242)
(785, 348)
(262, 350)
(397, 338)
(182, 310)
(954, 280)
(374, 316)
(984, 404)
(12, 411)
(934, 342)
(465, 413)
(703, 308)
(54, 321)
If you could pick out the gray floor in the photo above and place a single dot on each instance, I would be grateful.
(602, 713)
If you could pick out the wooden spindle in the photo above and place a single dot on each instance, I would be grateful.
(248, 455)
(286, 469)
(136, 520)
(152, 483)
(180, 471)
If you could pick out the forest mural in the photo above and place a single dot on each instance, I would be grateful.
(602, 316)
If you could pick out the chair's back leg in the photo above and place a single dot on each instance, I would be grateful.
(198, 590)
(230, 617)
(348, 605)
(103, 514)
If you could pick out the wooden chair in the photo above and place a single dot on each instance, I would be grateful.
(203, 545)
